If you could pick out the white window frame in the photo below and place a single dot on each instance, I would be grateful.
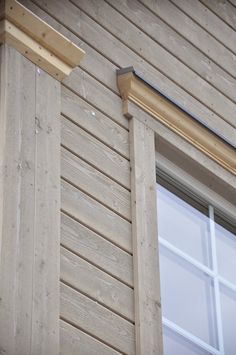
(155, 120)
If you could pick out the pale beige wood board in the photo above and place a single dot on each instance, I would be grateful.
(95, 122)
(17, 199)
(224, 9)
(45, 323)
(96, 94)
(194, 33)
(161, 59)
(74, 341)
(96, 184)
(148, 328)
(97, 250)
(96, 153)
(118, 53)
(179, 47)
(97, 320)
(209, 21)
(98, 285)
(96, 216)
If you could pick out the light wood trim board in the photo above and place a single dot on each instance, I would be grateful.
(37, 41)
(133, 88)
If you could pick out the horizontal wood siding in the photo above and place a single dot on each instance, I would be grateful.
(187, 50)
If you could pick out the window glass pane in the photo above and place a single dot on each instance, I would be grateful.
(226, 253)
(175, 344)
(183, 226)
(228, 306)
(187, 296)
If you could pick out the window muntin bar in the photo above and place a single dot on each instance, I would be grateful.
(221, 302)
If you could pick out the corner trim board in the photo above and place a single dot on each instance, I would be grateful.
(37, 41)
(135, 89)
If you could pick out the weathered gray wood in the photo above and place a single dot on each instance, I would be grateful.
(96, 216)
(95, 184)
(179, 46)
(208, 20)
(30, 208)
(194, 33)
(224, 9)
(145, 246)
(73, 341)
(17, 189)
(98, 285)
(96, 94)
(120, 54)
(96, 249)
(97, 320)
(95, 122)
(45, 323)
(161, 59)
(95, 152)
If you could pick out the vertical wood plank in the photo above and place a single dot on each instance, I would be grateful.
(145, 245)
(17, 160)
(45, 315)
(29, 207)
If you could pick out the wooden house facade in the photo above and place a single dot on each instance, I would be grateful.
(95, 96)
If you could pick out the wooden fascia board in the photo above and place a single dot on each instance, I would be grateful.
(150, 100)
(38, 41)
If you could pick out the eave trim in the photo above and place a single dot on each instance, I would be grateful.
(38, 41)
(137, 90)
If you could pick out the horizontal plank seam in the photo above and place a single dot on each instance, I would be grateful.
(91, 103)
(95, 199)
(91, 298)
(97, 266)
(179, 59)
(73, 32)
(204, 28)
(173, 28)
(215, 13)
(116, 64)
(65, 320)
(93, 135)
(232, 3)
(96, 168)
(161, 71)
(95, 231)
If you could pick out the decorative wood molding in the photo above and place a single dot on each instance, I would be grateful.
(135, 89)
(37, 41)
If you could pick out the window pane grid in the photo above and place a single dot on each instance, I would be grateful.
(189, 336)
(211, 269)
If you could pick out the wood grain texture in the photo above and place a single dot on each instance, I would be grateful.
(95, 122)
(224, 9)
(148, 328)
(45, 324)
(194, 33)
(17, 189)
(110, 48)
(97, 320)
(99, 251)
(96, 216)
(74, 341)
(98, 285)
(149, 50)
(30, 209)
(179, 47)
(90, 180)
(209, 21)
(95, 152)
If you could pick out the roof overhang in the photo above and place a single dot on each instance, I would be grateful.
(132, 87)
(37, 41)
